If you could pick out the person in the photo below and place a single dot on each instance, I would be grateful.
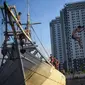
(54, 62)
(18, 18)
(7, 38)
(21, 37)
(27, 31)
(74, 35)
(51, 59)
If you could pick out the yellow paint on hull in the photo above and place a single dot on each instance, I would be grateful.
(56, 78)
(44, 74)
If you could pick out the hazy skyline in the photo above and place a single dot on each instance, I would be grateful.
(40, 11)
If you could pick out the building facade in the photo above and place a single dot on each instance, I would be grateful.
(57, 40)
(72, 16)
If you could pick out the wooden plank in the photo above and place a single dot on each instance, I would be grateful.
(14, 17)
(11, 7)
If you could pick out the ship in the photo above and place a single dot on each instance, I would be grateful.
(23, 63)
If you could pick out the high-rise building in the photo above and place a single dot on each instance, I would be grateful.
(73, 15)
(57, 40)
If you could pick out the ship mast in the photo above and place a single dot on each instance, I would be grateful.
(28, 21)
(12, 18)
(28, 18)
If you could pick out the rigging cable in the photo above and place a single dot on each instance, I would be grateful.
(40, 41)
(28, 14)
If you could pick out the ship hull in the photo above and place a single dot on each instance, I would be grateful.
(29, 70)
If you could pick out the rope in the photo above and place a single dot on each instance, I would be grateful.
(40, 41)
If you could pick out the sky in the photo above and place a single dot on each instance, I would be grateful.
(40, 11)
